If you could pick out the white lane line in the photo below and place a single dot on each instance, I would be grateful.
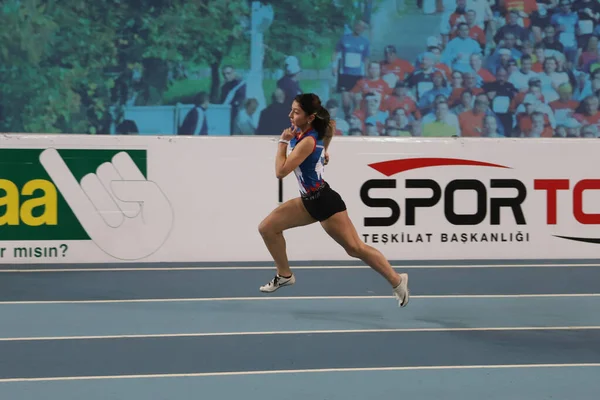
(241, 268)
(293, 298)
(301, 371)
(303, 332)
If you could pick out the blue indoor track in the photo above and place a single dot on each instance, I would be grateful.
(472, 331)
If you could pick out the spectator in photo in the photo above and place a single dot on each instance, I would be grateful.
(566, 21)
(274, 118)
(526, 50)
(439, 87)
(560, 131)
(490, 127)
(127, 127)
(524, 7)
(539, 128)
(551, 79)
(589, 131)
(441, 124)
(513, 27)
(195, 121)
(434, 48)
(534, 88)
(371, 84)
(499, 59)
(465, 103)
(400, 98)
(233, 91)
(392, 129)
(512, 67)
(350, 58)
(471, 121)
(401, 119)
(572, 128)
(501, 93)
(289, 81)
(506, 50)
(457, 80)
(588, 13)
(372, 114)
(525, 111)
(392, 64)
(571, 75)
(416, 129)
(459, 49)
(589, 115)
(591, 86)
(469, 83)
(449, 117)
(421, 80)
(449, 24)
(540, 19)
(356, 122)
(589, 54)
(539, 55)
(482, 74)
(537, 106)
(520, 78)
(483, 14)
(246, 121)
(564, 107)
(475, 31)
(342, 127)
(484, 102)
(549, 41)
(371, 129)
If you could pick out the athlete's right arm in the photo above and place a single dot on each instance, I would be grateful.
(284, 165)
(327, 139)
(329, 134)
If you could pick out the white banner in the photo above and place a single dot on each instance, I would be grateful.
(455, 199)
(88, 199)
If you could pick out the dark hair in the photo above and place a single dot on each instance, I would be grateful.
(311, 105)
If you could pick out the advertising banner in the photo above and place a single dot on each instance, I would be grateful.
(431, 199)
(92, 199)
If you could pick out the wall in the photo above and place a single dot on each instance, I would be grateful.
(85, 198)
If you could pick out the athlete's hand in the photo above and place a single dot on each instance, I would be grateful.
(289, 133)
(326, 157)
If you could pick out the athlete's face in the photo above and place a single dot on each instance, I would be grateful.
(298, 117)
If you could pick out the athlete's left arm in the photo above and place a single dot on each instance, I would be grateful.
(327, 139)
(284, 165)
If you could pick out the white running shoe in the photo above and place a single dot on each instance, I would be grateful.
(277, 282)
(401, 291)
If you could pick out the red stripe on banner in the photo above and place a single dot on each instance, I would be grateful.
(389, 168)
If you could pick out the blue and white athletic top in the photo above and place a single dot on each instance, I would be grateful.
(310, 172)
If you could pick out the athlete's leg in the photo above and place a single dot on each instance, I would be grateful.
(288, 215)
(340, 228)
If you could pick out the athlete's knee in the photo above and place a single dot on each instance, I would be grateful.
(355, 250)
(264, 228)
(267, 228)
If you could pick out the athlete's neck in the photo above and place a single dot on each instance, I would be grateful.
(304, 129)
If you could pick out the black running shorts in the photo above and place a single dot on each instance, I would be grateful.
(324, 203)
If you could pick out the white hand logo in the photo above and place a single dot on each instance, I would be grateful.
(127, 216)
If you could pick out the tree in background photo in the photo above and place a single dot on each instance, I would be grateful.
(73, 66)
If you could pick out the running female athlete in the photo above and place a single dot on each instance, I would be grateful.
(308, 140)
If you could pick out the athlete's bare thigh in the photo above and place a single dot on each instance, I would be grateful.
(290, 214)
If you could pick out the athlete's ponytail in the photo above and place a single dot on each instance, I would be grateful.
(311, 104)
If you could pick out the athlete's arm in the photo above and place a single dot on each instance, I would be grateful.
(327, 139)
(329, 134)
(284, 165)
